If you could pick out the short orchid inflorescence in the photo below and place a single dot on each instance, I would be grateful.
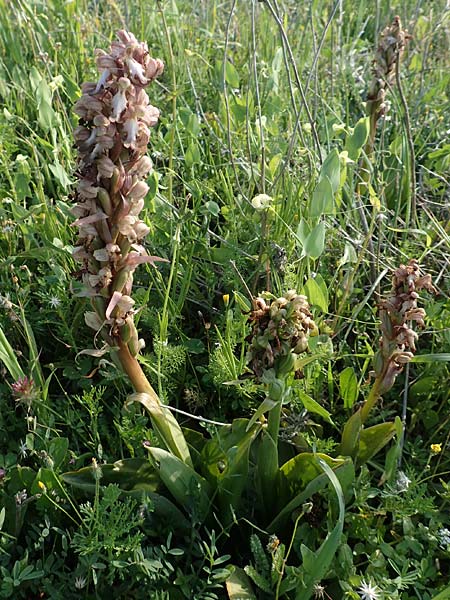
(398, 311)
(280, 332)
(112, 137)
(393, 40)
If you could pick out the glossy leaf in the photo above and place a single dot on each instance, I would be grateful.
(345, 474)
(372, 439)
(226, 462)
(348, 384)
(314, 244)
(129, 474)
(316, 564)
(266, 405)
(297, 472)
(239, 587)
(8, 357)
(322, 202)
(356, 141)
(189, 489)
(331, 170)
(350, 435)
(312, 406)
(166, 425)
(317, 293)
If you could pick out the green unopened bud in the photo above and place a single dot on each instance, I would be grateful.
(105, 201)
(128, 330)
(276, 390)
(285, 364)
(120, 280)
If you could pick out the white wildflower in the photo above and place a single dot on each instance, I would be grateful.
(444, 538)
(23, 449)
(54, 301)
(80, 583)
(367, 591)
(261, 201)
(402, 482)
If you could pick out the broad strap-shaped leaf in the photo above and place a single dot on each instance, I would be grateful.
(129, 474)
(225, 459)
(350, 435)
(300, 470)
(373, 439)
(190, 490)
(315, 565)
(8, 357)
(266, 405)
(238, 586)
(345, 473)
(165, 424)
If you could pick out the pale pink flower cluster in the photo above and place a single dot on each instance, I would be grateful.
(112, 137)
(397, 312)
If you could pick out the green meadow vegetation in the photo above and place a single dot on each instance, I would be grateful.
(224, 315)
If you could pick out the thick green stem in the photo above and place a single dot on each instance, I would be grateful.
(268, 464)
(166, 426)
(372, 398)
(136, 375)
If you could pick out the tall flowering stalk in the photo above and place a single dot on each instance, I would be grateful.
(280, 332)
(393, 40)
(398, 312)
(111, 138)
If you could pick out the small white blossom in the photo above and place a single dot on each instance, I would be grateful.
(23, 450)
(444, 538)
(54, 301)
(80, 583)
(261, 202)
(402, 482)
(367, 591)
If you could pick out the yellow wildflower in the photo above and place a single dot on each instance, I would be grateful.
(436, 448)
(42, 486)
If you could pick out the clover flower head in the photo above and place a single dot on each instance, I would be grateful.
(261, 202)
(24, 391)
